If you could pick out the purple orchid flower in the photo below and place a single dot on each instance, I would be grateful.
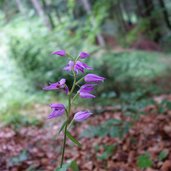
(93, 78)
(82, 115)
(70, 66)
(57, 110)
(83, 55)
(58, 85)
(77, 66)
(80, 66)
(59, 52)
(85, 90)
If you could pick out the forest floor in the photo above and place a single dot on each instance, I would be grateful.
(37, 148)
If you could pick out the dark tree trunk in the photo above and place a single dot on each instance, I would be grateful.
(58, 15)
(20, 6)
(5, 11)
(47, 12)
(153, 25)
(40, 11)
(138, 8)
(165, 13)
(87, 7)
(121, 9)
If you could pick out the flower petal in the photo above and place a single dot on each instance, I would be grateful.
(66, 89)
(82, 115)
(83, 55)
(86, 95)
(80, 66)
(56, 113)
(57, 85)
(87, 88)
(57, 106)
(93, 78)
(69, 66)
(52, 86)
(59, 52)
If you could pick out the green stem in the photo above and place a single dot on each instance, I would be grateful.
(71, 57)
(68, 113)
(77, 58)
(70, 124)
(64, 144)
(75, 97)
(74, 84)
(80, 80)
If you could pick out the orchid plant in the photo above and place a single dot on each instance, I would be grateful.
(75, 66)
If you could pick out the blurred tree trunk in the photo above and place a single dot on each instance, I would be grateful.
(87, 8)
(148, 12)
(39, 9)
(5, 10)
(20, 6)
(47, 12)
(165, 13)
(138, 8)
(120, 8)
(58, 15)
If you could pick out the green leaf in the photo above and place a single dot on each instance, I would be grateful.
(74, 166)
(91, 131)
(115, 131)
(168, 105)
(62, 127)
(64, 167)
(113, 122)
(72, 138)
(112, 127)
(144, 161)
(23, 156)
(108, 151)
(163, 154)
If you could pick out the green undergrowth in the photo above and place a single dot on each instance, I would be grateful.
(15, 111)
(125, 70)
(17, 120)
(112, 127)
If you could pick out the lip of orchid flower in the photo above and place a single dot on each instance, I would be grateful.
(59, 52)
(93, 78)
(82, 115)
(58, 85)
(83, 55)
(57, 110)
(62, 83)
